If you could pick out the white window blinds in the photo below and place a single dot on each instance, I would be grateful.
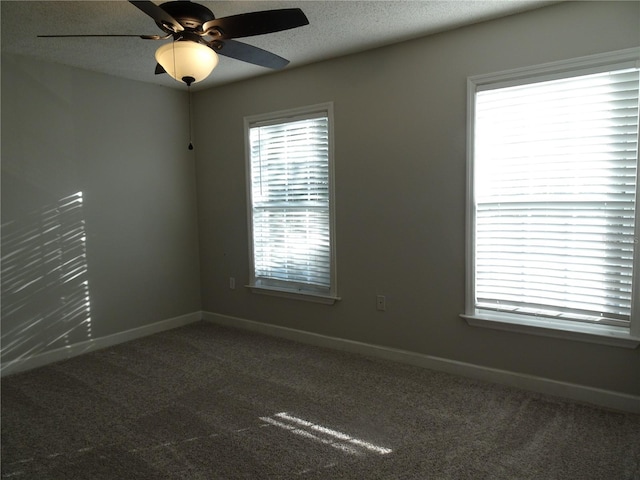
(290, 195)
(555, 168)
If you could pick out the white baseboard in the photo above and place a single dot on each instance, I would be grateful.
(594, 396)
(33, 361)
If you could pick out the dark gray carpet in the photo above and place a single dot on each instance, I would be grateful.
(206, 402)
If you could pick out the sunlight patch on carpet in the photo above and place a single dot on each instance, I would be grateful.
(324, 435)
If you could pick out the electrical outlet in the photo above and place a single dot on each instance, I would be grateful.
(381, 303)
(232, 283)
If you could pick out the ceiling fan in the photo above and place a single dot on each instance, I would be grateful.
(198, 36)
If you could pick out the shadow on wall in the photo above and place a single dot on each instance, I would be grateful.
(45, 286)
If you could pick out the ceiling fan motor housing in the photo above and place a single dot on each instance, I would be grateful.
(190, 15)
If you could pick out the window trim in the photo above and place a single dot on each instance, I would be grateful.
(293, 291)
(593, 333)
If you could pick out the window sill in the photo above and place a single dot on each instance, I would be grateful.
(294, 294)
(592, 333)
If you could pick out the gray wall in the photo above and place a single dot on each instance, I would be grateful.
(400, 190)
(130, 246)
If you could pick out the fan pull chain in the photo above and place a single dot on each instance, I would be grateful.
(190, 129)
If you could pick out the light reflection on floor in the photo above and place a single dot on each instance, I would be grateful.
(324, 435)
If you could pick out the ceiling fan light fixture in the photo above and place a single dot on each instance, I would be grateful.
(187, 60)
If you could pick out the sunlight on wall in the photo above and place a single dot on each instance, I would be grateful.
(45, 286)
(324, 435)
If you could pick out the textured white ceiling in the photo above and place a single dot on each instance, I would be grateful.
(336, 28)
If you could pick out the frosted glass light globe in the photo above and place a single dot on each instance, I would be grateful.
(187, 59)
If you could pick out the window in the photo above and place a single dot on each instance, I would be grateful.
(551, 240)
(290, 187)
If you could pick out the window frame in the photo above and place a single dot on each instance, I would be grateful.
(566, 329)
(278, 287)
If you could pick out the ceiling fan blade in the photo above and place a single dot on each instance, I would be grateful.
(144, 37)
(159, 69)
(256, 23)
(153, 37)
(249, 53)
(161, 17)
